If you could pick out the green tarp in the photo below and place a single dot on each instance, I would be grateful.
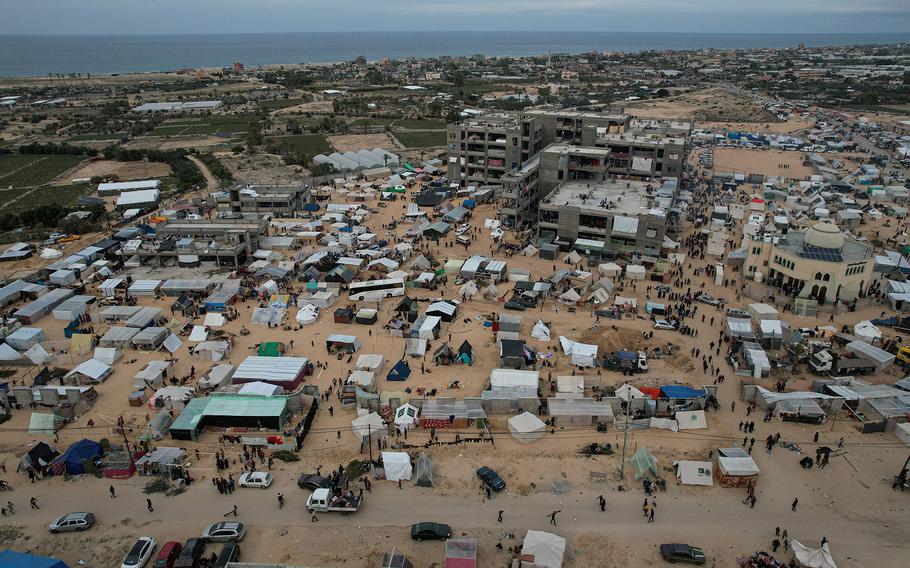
(270, 349)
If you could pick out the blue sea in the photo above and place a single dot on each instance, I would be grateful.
(38, 55)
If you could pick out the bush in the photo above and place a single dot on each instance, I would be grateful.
(285, 456)
(157, 485)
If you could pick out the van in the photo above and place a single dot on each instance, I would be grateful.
(168, 555)
(230, 552)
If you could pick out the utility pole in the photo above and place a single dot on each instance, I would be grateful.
(370, 440)
(625, 438)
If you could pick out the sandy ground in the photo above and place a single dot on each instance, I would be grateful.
(125, 171)
(355, 142)
(315, 106)
(174, 142)
(765, 162)
(849, 502)
(712, 104)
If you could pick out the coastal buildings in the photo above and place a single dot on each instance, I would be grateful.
(279, 201)
(484, 148)
(820, 263)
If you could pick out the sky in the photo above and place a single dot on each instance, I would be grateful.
(232, 16)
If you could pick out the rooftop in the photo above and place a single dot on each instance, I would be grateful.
(622, 196)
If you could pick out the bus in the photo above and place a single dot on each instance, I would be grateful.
(376, 290)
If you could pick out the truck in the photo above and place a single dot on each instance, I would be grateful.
(825, 362)
(323, 501)
(628, 362)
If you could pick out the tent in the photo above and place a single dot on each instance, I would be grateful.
(307, 314)
(91, 370)
(76, 456)
(526, 427)
(627, 392)
(546, 549)
(644, 463)
(405, 416)
(691, 419)
(902, 431)
(572, 258)
(370, 362)
(369, 426)
(400, 372)
(737, 470)
(199, 333)
(397, 466)
(423, 470)
(867, 331)
(540, 331)
(694, 472)
(38, 456)
(270, 349)
(582, 354)
(366, 380)
(152, 375)
(395, 559)
(13, 559)
(635, 272)
(813, 557)
(107, 355)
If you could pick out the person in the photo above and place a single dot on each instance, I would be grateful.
(113, 493)
(10, 508)
(795, 503)
(280, 501)
(651, 516)
(775, 544)
(148, 505)
(34, 503)
(232, 511)
(815, 438)
(824, 541)
(603, 503)
(776, 531)
(553, 517)
(314, 518)
(499, 516)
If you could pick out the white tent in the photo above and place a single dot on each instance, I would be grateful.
(214, 319)
(369, 426)
(582, 354)
(574, 384)
(107, 355)
(366, 380)
(405, 415)
(813, 557)
(867, 331)
(397, 466)
(259, 388)
(199, 333)
(694, 472)
(540, 331)
(370, 362)
(93, 370)
(547, 550)
(762, 312)
(38, 355)
(902, 431)
(691, 419)
(570, 296)
(572, 258)
(7, 353)
(217, 376)
(610, 269)
(526, 427)
(635, 272)
(152, 375)
(627, 392)
(468, 290)
(307, 315)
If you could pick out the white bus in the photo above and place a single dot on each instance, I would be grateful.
(376, 290)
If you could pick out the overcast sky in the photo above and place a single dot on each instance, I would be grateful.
(218, 16)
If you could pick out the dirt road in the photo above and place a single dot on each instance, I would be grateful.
(211, 183)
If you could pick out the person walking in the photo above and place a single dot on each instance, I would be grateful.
(280, 501)
(313, 517)
(148, 505)
(603, 503)
(553, 517)
(34, 503)
(775, 544)
(232, 511)
(113, 493)
(795, 503)
(651, 516)
(499, 516)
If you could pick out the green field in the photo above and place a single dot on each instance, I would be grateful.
(204, 125)
(372, 122)
(97, 136)
(420, 124)
(31, 170)
(422, 139)
(309, 144)
(276, 104)
(65, 196)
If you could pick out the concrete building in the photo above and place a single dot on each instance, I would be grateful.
(279, 201)
(229, 242)
(482, 149)
(820, 263)
(568, 126)
(563, 162)
(520, 194)
(644, 148)
(609, 215)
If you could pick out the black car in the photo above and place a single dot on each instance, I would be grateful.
(491, 479)
(430, 531)
(515, 305)
(230, 552)
(313, 481)
(676, 552)
(191, 553)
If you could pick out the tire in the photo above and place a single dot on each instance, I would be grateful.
(53, 531)
(419, 539)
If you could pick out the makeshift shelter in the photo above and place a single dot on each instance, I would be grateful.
(644, 463)
(39, 456)
(583, 354)
(867, 331)
(762, 312)
(207, 350)
(423, 470)
(90, 371)
(79, 458)
(400, 372)
(216, 377)
(543, 550)
(343, 343)
(152, 375)
(735, 468)
(369, 427)
(25, 338)
(14, 559)
(395, 559)
(370, 362)
(691, 419)
(635, 272)
(526, 427)
(461, 553)
(150, 338)
(540, 331)
(813, 557)
(107, 355)
(627, 392)
(397, 466)
(118, 337)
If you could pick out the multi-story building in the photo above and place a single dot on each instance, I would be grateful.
(820, 263)
(483, 149)
(519, 195)
(229, 242)
(644, 149)
(258, 199)
(607, 216)
(567, 126)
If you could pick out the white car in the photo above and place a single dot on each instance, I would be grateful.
(139, 555)
(664, 324)
(260, 479)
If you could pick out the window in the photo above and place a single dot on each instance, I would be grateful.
(651, 233)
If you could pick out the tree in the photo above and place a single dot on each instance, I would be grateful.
(319, 170)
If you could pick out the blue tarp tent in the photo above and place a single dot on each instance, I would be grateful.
(311, 207)
(75, 456)
(399, 372)
(676, 391)
(469, 204)
(13, 559)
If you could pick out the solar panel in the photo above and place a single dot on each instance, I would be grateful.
(819, 253)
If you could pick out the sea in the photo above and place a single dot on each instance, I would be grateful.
(40, 55)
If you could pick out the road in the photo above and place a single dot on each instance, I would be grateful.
(211, 183)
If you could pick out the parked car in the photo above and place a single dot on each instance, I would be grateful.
(191, 553)
(515, 305)
(491, 479)
(224, 532)
(664, 324)
(258, 479)
(168, 555)
(708, 299)
(140, 553)
(71, 522)
(313, 481)
(230, 552)
(430, 531)
(674, 553)
(737, 313)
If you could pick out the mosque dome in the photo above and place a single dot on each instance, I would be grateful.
(825, 235)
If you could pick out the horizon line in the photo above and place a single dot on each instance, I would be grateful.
(449, 31)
